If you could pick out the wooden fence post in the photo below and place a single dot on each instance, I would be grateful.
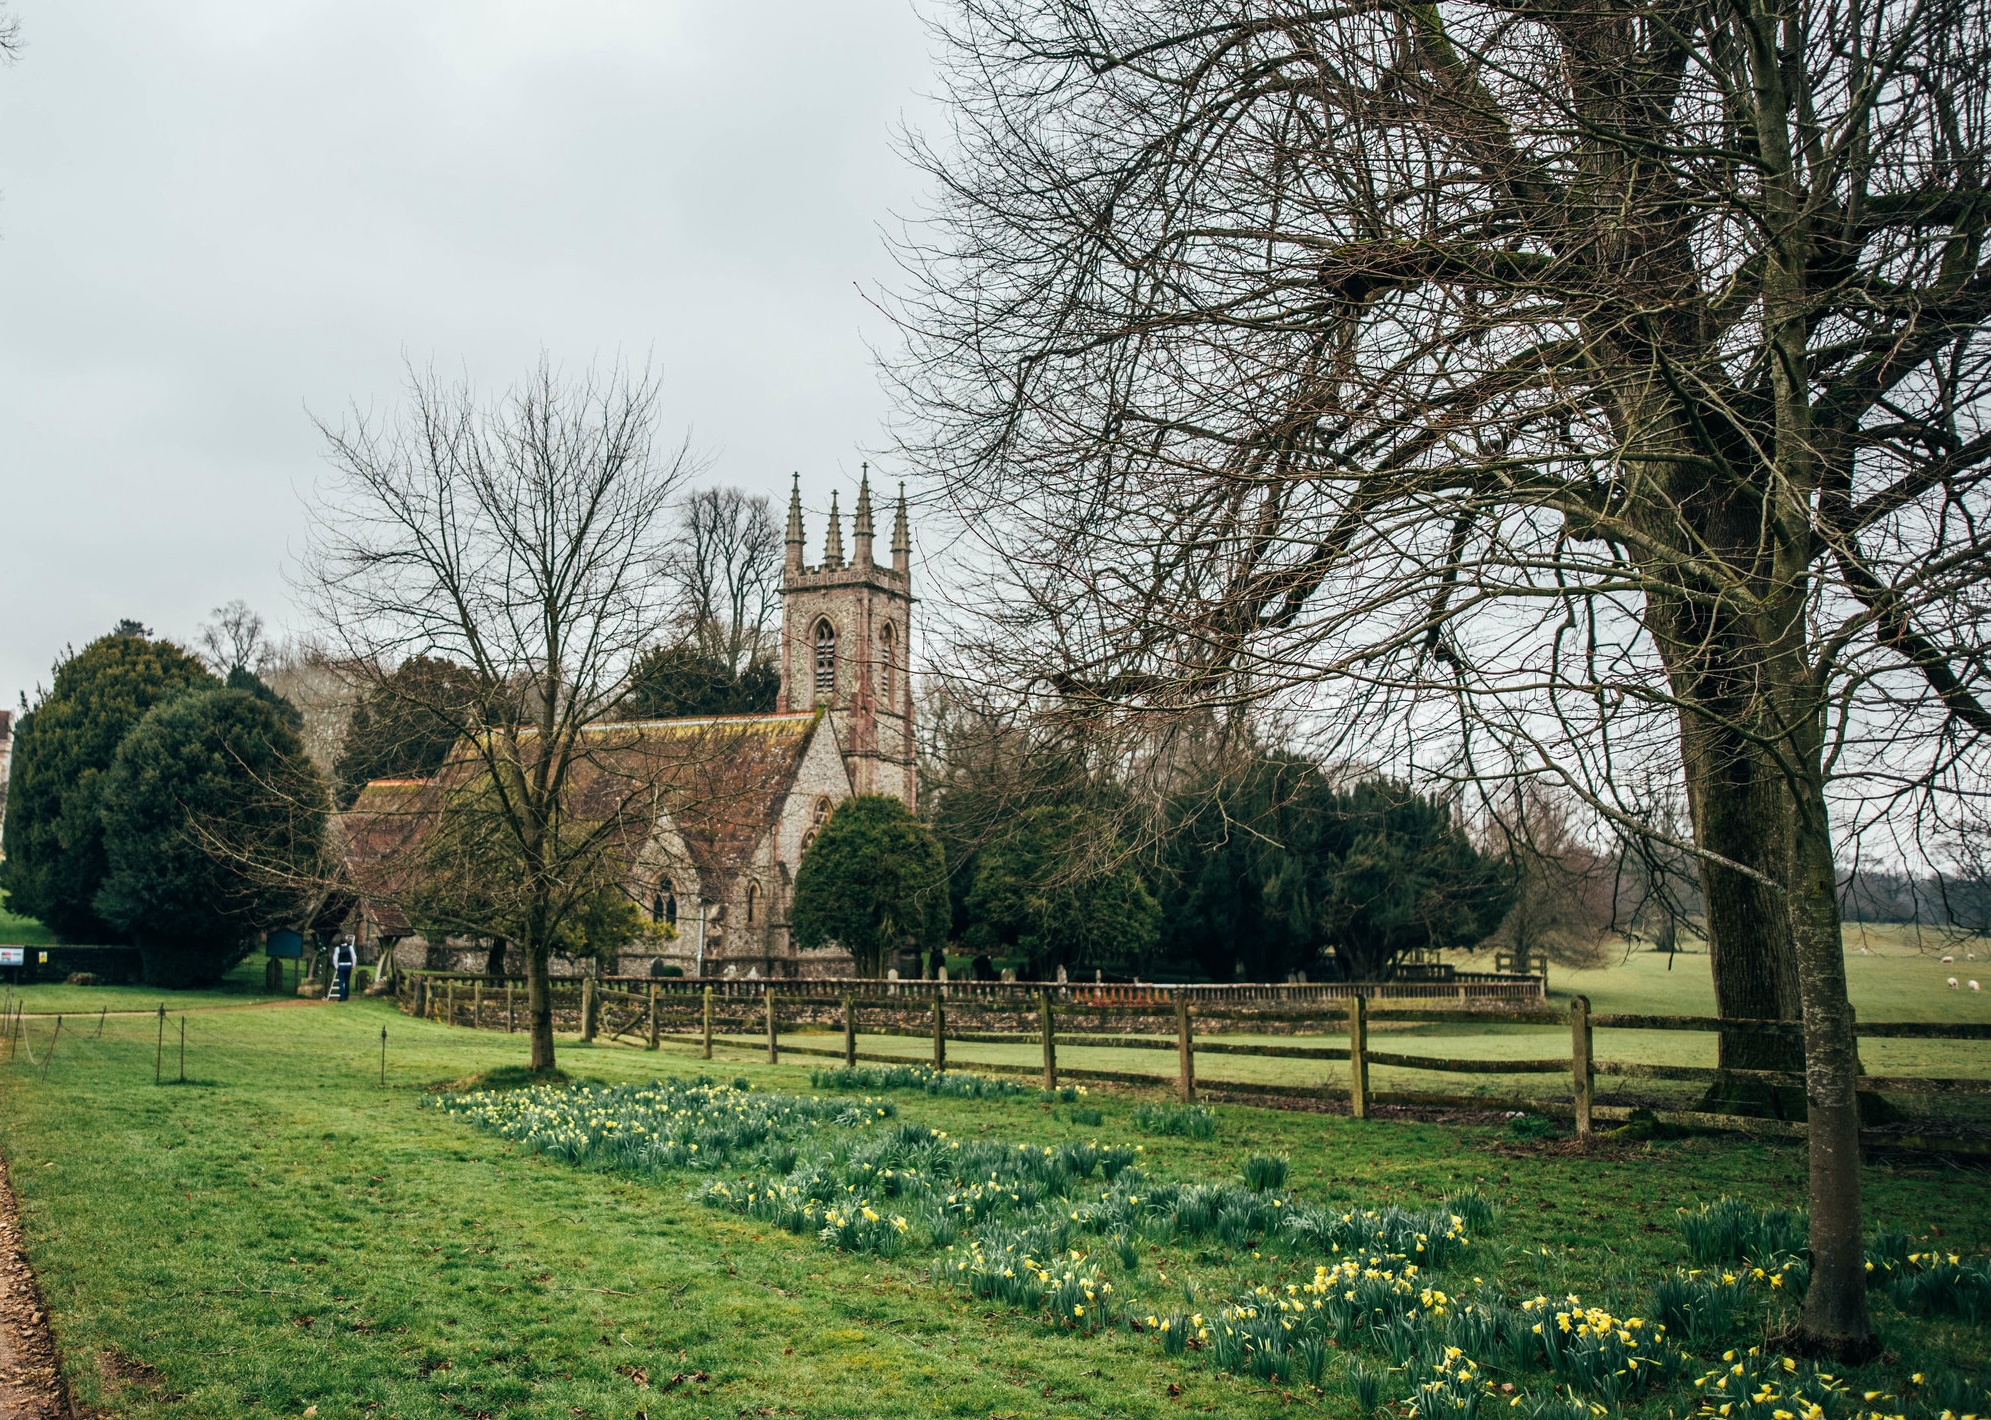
(1579, 1062)
(939, 1033)
(421, 994)
(508, 1008)
(654, 1042)
(849, 1034)
(587, 1008)
(1358, 1056)
(708, 1023)
(477, 1006)
(773, 1048)
(1050, 1041)
(449, 1004)
(1185, 1051)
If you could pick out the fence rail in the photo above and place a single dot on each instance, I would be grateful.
(1162, 1019)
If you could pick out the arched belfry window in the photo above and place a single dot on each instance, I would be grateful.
(888, 654)
(753, 904)
(664, 907)
(825, 660)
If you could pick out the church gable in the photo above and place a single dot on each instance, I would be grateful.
(821, 782)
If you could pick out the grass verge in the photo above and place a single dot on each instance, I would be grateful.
(282, 1231)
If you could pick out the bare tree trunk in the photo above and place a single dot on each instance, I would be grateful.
(539, 1005)
(1834, 1320)
(1742, 811)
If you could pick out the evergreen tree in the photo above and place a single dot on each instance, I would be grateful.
(1268, 869)
(873, 881)
(1224, 841)
(212, 812)
(673, 682)
(1380, 871)
(62, 749)
(406, 725)
(1058, 891)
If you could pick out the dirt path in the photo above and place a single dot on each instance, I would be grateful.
(31, 1385)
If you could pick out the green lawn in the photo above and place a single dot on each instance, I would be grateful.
(243, 986)
(1899, 976)
(282, 1232)
(16, 930)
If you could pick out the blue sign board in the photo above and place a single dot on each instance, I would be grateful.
(285, 943)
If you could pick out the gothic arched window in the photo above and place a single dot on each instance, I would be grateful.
(825, 660)
(663, 908)
(821, 816)
(888, 655)
(753, 904)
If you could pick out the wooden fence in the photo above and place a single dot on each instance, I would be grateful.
(1163, 1019)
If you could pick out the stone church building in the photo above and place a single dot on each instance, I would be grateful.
(740, 797)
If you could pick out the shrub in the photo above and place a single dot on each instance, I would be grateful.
(81, 978)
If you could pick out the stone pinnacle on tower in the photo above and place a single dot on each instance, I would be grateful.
(860, 525)
(795, 527)
(902, 538)
(833, 544)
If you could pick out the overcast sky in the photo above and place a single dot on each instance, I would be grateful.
(220, 216)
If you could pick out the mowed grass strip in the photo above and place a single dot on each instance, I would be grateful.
(283, 1232)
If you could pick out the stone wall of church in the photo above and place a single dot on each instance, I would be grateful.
(869, 607)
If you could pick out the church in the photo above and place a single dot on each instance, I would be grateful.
(740, 797)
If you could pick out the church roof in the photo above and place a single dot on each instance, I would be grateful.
(721, 783)
(374, 838)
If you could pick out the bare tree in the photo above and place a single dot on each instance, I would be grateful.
(724, 568)
(517, 538)
(1565, 892)
(233, 639)
(1576, 389)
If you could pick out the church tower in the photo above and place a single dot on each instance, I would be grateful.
(846, 639)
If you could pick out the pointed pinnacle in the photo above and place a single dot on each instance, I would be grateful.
(795, 512)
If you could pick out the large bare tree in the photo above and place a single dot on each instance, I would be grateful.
(1579, 385)
(517, 537)
(724, 568)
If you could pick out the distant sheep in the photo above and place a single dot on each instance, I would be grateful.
(1947, 960)
(1952, 983)
(1973, 984)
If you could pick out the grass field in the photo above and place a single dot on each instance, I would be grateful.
(16, 930)
(284, 1232)
(243, 986)
(1895, 982)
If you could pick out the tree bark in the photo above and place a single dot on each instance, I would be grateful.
(539, 1006)
(1834, 1321)
(1742, 810)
